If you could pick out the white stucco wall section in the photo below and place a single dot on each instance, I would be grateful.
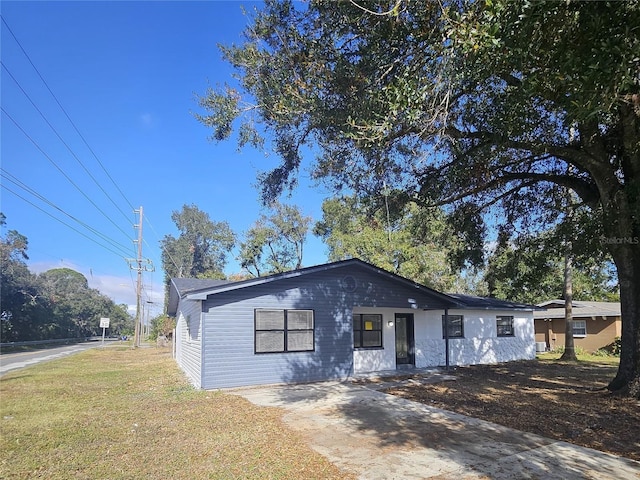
(374, 360)
(480, 344)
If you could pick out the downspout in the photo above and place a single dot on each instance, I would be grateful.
(446, 338)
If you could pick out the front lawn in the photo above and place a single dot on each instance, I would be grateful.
(119, 413)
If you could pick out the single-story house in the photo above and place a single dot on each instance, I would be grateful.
(332, 321)
(595, 324)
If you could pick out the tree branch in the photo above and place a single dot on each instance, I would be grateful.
(587, 191)
(580, 157)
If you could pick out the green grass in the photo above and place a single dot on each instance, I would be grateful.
(582, 357)
(119, 413)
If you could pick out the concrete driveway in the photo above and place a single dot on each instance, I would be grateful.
(379, 436)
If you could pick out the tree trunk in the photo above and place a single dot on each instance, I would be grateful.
(569, 349)
(627, 258)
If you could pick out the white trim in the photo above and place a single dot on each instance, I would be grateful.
(574, 326)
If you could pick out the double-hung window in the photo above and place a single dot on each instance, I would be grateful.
(504, 326)
(579, 328)
(367, 330)
(456, 326)
(278, 331)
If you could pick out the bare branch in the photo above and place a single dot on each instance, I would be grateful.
(380, 14)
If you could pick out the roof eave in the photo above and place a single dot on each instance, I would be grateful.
(203, 294)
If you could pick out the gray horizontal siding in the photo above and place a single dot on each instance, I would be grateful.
(228, 326)
(189, 342)
(222, 354)
(229, 356)
(229, 329)
(374, 290)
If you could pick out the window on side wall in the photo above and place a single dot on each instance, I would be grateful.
(367, 330)
(504, 326)
(579, 328)
(191, 334)
(456, 326)
(278, 331)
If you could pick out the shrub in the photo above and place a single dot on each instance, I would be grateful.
(602, 352)
(560, 350)
(613, 348)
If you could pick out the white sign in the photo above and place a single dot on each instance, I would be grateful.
(104, 323)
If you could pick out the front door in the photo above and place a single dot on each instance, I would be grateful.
(404, 339)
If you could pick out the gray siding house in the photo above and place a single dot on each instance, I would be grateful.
(333, 321)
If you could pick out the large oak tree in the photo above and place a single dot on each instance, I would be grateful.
(485, 106)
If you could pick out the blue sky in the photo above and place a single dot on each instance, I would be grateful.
(127, 75)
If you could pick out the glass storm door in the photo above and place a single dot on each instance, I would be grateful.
(404, 339)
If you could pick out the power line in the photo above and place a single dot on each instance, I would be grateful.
(175, 264)
(66, 114)
(79, 134)
(63, 142)
(61, 171)
(13, 179)
(66, 224)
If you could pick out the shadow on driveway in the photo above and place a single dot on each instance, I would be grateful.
(380, 436)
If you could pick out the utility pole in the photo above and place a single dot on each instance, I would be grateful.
(141, 265)
(136, 337)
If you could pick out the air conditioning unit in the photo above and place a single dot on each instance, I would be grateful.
(541, 347)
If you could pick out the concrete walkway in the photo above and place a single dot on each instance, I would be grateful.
(379, 436)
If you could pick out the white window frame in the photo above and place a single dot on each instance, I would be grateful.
(189, 338)
(582, 328)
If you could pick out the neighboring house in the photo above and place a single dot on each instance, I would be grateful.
(595, 324)
(333, 321)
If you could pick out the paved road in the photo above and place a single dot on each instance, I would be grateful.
(381, 437)
(14, 361)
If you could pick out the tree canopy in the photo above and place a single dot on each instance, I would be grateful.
(55, 304)
(275, 242)
(526, 270)
(530, 267)
(200, 250)
(489, 106)
(401, 238)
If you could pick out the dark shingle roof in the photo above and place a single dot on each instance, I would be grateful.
(183, 286)
(442, 298)
(186, 285)
(581, 309)
(488, 303)
(199, 289)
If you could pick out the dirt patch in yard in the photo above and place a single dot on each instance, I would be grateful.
(563, 401)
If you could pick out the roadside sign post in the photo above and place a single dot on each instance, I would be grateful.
(104, 324)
